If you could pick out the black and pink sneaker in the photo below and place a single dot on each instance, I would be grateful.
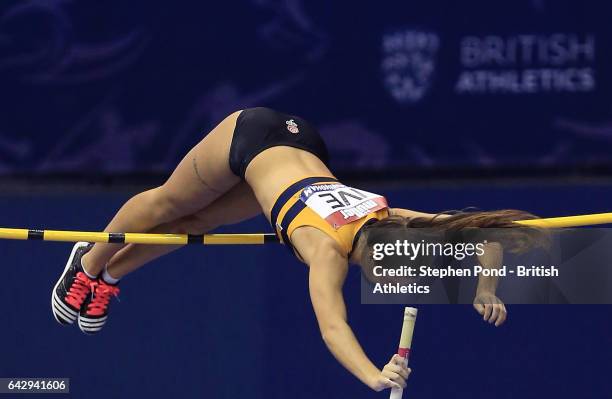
(94, 310)
(72, 288)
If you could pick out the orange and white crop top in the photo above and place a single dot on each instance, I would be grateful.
(328, 205)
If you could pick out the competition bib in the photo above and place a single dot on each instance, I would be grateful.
(339, 204)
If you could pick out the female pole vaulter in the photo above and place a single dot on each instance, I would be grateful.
(260, 160)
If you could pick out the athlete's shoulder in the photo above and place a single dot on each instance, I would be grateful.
(313, 244)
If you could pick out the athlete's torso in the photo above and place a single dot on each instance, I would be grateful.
(276, 168)
(328, 206)
(339, 213)
(274, 152)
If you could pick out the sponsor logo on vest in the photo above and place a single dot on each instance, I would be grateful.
(359, 210)
(308, 191)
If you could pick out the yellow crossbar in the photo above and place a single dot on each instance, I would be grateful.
(136, 238)
(569, 221)
(245, 239)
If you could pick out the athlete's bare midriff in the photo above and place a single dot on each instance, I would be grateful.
(274, 169)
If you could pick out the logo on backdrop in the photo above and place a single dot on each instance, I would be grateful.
(292, 126)
(409, 63)
(527, 63)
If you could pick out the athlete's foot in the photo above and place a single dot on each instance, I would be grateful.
(94, 310)
(72, 288)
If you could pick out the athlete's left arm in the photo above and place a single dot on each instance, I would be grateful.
(486, 302)
(328, 270)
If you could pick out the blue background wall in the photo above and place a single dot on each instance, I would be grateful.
(112, 88)
(120, 87)
(236, 322)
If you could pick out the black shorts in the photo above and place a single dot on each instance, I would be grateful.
(258, 129)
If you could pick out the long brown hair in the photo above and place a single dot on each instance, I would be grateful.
(517, 238)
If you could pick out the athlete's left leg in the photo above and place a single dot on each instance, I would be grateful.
(202, 176)
(236, 205)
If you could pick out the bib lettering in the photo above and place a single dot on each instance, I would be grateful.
(339, 204)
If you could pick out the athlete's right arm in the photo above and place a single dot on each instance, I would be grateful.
(328, 270)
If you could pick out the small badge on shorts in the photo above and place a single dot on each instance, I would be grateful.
(292, 126)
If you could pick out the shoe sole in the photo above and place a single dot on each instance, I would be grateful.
(59, 311)
(91, 326)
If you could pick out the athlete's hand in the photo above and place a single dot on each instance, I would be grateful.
(491, 308)
(393, 375)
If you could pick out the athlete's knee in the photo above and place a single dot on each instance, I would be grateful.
(194, 225)
(163, 205)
